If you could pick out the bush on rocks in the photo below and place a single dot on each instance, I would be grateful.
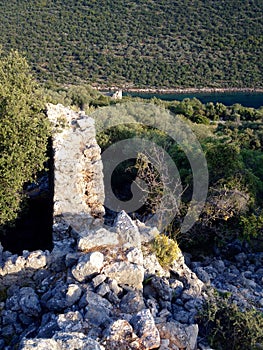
(165, 249)
(228, 327)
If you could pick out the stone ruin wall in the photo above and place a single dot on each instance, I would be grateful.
(78, 176)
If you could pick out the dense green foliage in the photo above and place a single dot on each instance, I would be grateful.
(215, 43)
(80, 96)
(233, 144)
(23, 133)
(229, 328)
(234, 155)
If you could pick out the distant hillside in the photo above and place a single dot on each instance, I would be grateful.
(171, 43)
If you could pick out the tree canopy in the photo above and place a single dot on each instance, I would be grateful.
(23, 132)
(183, 43)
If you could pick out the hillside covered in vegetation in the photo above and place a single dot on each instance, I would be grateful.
(212, 43)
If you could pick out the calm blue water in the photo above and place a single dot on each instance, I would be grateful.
(247, 99)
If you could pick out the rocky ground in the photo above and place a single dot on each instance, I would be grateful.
(241, 276)
(108, 291)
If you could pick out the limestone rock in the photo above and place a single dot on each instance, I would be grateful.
(97, 315)
(98, 309)
(70, 322)
(62, 248)
(29, 302)
(88, 265)
(91, 298)
(115, 288)
(165, 345)
(36, 260)
(152, 266)
(119, 335)
(129, 235)
(158, 288)
(86, 123)
(55, 299)
(113, 298)
(147, 233)
(202, 274)
(13, 265)
(98, 239)
(62, 341)
(75, 340)
(125, 273)
(48, 327)
(8, 331)
(194, 284)
(103, 289)
(39, 344)
(144, 326)
(98, 280)
(73, 294)
(132, 302)
(192, 333)
(184, 337)
(71, 259)
(8, 317)
(135, 256)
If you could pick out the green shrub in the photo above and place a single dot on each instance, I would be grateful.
(229, 328)
(79, 96)
(24, 131)
(252, 225)
(165, 249)
(224, 160)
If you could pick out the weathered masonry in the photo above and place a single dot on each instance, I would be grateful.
(78, 176)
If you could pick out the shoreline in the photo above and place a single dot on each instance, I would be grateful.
(179, 90)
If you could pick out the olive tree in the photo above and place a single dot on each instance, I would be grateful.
(24, 131)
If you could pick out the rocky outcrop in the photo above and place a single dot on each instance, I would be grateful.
(105, 297)
(116, 296)
(241, 277)
(78, 176)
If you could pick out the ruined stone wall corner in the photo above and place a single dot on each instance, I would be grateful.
(78, 171)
